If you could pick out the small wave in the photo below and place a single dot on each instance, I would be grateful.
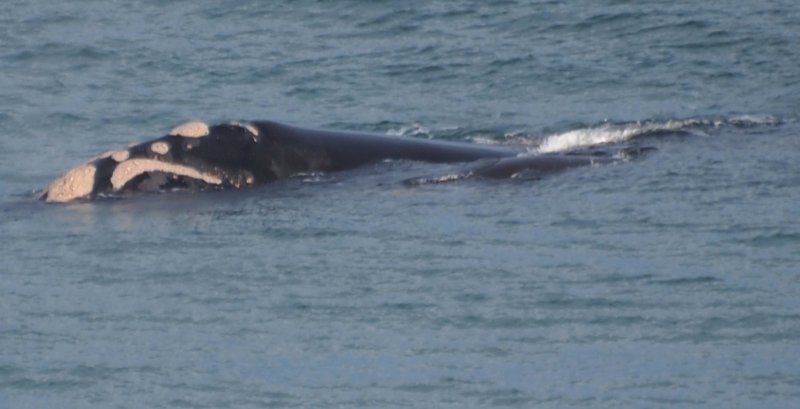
(416, 130)
(512, 137)
(603, 134)
(687, 280)
(614, 133)
(608, 133)
(753, 121)
(435, 180)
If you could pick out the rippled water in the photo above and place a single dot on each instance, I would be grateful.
(670, 280)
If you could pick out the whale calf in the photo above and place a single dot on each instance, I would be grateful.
(196, 155)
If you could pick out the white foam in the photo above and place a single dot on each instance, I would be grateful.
(453, 177)
(515, 137)
(412, 130)
(585, 137)
(486, 140)
(753, 120)
(612, 133)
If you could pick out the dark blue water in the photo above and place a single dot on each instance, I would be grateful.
(671, 280)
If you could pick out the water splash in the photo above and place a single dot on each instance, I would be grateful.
(609, 133)
(612, 133)
(415, 130)
(435, 180)
(597, 135)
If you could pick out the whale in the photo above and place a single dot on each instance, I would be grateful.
(239, 155)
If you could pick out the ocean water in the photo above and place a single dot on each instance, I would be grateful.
(667, 281)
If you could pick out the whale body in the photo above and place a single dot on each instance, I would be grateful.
(196, 155)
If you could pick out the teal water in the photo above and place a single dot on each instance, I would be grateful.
(666, 281)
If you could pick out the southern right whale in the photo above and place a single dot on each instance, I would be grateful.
(196, 155)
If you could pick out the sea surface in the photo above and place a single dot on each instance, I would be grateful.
(671, 280)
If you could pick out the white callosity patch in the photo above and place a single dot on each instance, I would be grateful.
(253, 130)
(120, 156)
(130, 169)
(249, 127)
(77, 183)
(191, 130)
(160, 148)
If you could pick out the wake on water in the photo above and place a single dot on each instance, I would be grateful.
(606, 139)
(609, 133)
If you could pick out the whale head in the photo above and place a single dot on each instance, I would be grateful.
(192, 156)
